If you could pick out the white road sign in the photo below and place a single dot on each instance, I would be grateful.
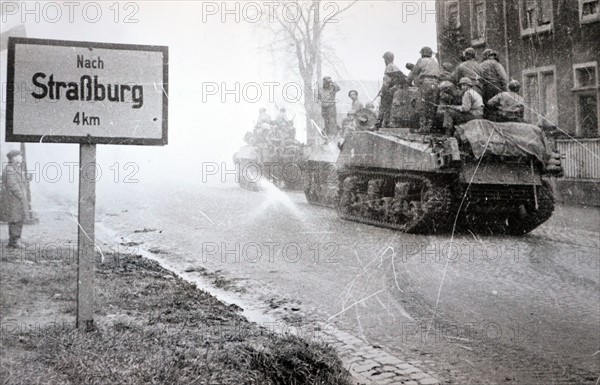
(83, 92)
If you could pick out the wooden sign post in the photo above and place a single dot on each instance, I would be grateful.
(87, 93)
(86, 236)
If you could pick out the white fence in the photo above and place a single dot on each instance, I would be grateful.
(581, 158)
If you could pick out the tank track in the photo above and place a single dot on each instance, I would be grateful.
(249, 173)
(407, 202)
(512, 212)
(321, 183)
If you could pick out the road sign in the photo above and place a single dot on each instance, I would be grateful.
(87, 93)
(84, 92)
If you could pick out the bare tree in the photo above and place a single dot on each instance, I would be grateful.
(297, 28)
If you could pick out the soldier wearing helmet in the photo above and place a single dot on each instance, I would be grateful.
(486, 54)
(391, 77)
(356, 104)
(470, 109)
(263, 117)
(507, 106)
(14, 205)
(449, 96)
(327, 98)
(494, 76)
(426, 74)
(470, 68)
(446, 72)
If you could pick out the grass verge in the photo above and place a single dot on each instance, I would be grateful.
(151, 328)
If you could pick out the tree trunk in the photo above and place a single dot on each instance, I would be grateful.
(310, 106)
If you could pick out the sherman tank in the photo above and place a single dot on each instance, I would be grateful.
(485, 178)
(488, 177)
(273, 154)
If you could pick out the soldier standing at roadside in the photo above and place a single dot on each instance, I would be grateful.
(14, 206)
(327, 97)
(427, 72)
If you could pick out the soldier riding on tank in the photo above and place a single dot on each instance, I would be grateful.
(427, 72)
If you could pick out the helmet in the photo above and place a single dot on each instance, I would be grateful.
(13, 153)
(487, 53)
(445, 85)
(351, 91)
(410, 66)
(466, 81)
(426, 52)
(365, 119)
(469, 53)
(389, 56)
(447, 66)
(514, 85)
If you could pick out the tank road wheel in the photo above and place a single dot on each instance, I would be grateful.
(527, 218)
(404, 202)
(434, 210)
(320, 183)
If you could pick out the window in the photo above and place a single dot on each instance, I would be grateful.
(587, 94)
(589, 11)
(452, 15)
(478, 22)
(585, 76)
(539, 92)
(535, 16)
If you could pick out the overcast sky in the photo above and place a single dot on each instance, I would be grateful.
(203, 49)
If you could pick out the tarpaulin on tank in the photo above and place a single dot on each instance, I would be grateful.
(503, 139)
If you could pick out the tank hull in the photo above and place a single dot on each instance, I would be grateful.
(432, 183)
(255, 164)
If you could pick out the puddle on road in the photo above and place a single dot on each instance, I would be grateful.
(250, 309)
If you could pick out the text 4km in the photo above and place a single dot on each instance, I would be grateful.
(84, 120)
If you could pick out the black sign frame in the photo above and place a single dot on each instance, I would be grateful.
(10, 90)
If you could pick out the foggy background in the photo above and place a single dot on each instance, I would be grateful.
(203, 49)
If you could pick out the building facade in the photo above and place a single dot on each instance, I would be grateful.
(553, 48)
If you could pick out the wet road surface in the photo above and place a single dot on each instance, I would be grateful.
(476, 309)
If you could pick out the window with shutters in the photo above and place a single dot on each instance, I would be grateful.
(540, 95)
(452, 15)
(535, 16)
(587, 94)
(589, 11)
